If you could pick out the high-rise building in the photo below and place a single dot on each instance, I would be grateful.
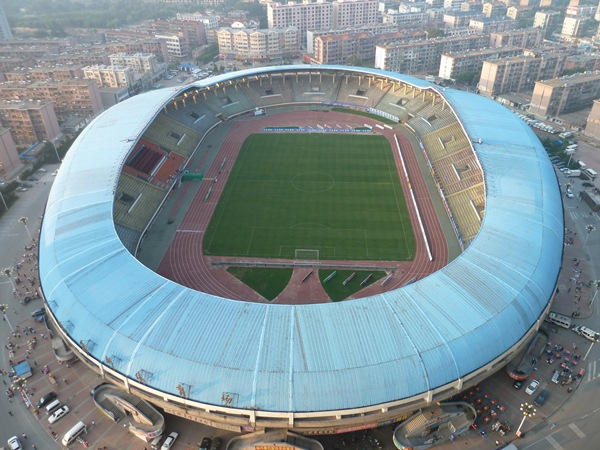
(10, 163)
(519, 73)
(423, 56)
(139, 62)
(566, 94)
(70, 98)
(264, 45)
(304, 16)
(5, 33)
(110, 76)
(452, 64)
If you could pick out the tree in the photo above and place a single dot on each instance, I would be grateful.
(434, 32)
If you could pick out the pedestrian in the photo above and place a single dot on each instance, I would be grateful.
(10, 413)
(24, 436)
(93, 422)
(33, 445)
(65, 381)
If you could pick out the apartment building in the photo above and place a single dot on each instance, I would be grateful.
(193, 29)
(494, 9)
(304, 16)
(350, 13)
(519, 73)
(524, 37)
(29, 121)
(572, 26)
(56, 73)
(492, 24)
(75, 59)
(110, 76)
(258, 45)
(158, 47)
(378, 28)
(345, 48)
(519, 12)
(566, 94)
(406, 16)
(423, 56)
(452, 64)
(177, 44)
(545, 19)
(210, 22)
(10, 163)
(69, 98)
(459, 19)
(139, 62)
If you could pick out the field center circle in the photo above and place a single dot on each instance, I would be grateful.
(313, 182)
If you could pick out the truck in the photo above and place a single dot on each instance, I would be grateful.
(573, 173)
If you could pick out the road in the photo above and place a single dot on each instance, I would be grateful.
(13, 238)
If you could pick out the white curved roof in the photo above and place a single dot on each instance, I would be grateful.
(318, 357)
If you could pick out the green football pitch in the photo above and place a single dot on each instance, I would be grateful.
(337, 194)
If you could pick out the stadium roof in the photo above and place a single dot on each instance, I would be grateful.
(318, 357)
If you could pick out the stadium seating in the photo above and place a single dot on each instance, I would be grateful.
(192, 114)
(227, 100)
(135, 202)
(359, 91)
(171, 135)
(266, 91)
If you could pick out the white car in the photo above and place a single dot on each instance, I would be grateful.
(14, 443)
(532, 387)
(169, 441)
(58, 414)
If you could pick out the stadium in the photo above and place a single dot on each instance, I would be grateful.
(309, 367)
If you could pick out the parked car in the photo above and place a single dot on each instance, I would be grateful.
(532, 387)
(518, 384)
(38, 312)
(14, 443)
(205, 444)
(58, 414)
(22, 189)
(542, 397)
(46, 399)
(171, 438)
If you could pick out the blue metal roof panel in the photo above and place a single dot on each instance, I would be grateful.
(305, 357)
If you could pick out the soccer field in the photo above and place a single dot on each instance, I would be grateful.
(336, 193)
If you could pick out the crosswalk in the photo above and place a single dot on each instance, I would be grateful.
(577, 215)
(592, 370)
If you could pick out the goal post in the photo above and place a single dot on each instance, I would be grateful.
(306, 254)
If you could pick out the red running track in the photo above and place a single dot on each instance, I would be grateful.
(185, 264)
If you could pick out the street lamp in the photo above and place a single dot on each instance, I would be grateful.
(55, 150)
(24, 220)
(7, 272)
(3, 308)
(589, 228)
(597, 284)
(528, 411)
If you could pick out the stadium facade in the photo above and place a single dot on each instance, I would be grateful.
(320, 368)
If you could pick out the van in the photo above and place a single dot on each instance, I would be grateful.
(71, 435)
(50, 407)
(586, 332)
(555, 376)
(591, 173)
(559, 319)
